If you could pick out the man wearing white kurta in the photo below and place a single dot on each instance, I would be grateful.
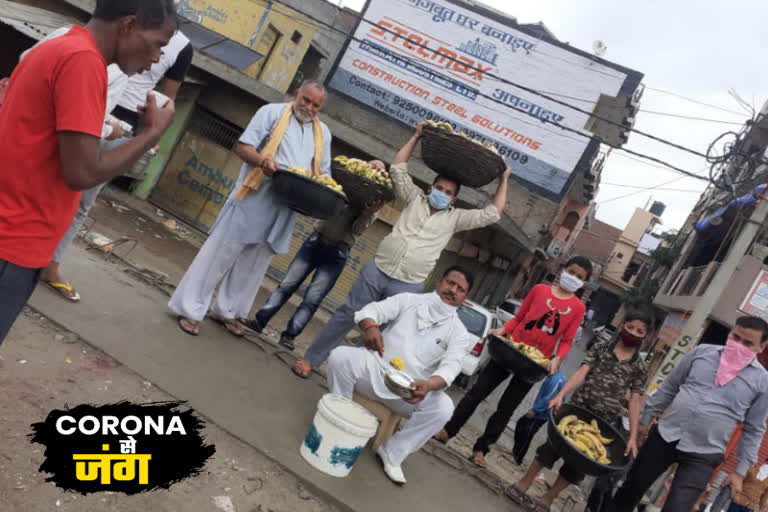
(426, 332)
(250, 231)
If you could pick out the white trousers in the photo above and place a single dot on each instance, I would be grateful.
(349, 370)
(238, 269)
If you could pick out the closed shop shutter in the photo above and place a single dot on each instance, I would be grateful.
(201, 172)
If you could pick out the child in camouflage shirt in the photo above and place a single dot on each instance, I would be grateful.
(607, 372)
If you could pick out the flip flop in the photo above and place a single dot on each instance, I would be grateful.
(471, 459)
(537, 506)
(62, 289)
(302, 369)
(193, 331)
(233, 326)
(517, 495)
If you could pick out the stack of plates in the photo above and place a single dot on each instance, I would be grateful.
(399, 383)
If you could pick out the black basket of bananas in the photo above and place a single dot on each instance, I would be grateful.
(362, 183)
(526, 362)
(459, 157)
(317, 197)
(585, 441)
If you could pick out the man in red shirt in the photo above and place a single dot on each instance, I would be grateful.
(548, 320)
(50, 127)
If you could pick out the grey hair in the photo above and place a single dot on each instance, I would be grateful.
(312, 83)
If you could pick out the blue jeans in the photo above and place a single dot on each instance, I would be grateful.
(735, 507)
(327, 261)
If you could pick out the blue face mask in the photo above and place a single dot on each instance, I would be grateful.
(439, 200)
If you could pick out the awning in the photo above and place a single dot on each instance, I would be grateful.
(32, 21)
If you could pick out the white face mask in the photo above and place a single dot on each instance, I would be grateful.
(569, 282)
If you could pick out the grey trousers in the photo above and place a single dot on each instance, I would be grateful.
(372, 285)
(87, 199)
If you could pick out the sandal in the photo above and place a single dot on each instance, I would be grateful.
(473, 460)
(302, 369)
(437, 437)
(517, 495)
(233, 326)
(192, 328)
(537, 506)
(65, 290)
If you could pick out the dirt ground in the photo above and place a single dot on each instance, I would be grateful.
(43, 367)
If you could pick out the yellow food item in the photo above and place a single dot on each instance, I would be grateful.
(301, 171)
(364, 169)
(397, 363)
(585, 437)
(531, 353)
(323, 179)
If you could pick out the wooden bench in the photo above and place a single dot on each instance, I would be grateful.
(389, 421)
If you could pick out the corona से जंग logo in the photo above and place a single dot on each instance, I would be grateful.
(121, 447)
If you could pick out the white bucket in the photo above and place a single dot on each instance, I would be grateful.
(339, 432)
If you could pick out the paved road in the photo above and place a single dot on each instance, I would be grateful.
(242, 389)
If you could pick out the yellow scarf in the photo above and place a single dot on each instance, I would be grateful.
(255, 176)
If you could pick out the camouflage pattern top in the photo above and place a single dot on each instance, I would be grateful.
(608, 380)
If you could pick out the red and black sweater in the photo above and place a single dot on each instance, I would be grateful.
(543, 319)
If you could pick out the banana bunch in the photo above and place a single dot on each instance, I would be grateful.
(397, 363)
(323, 179)
(329, 182)
(531, 353)
(364, 169)
(442, 125)
(585, 437)
(301, 171)
(490, 146)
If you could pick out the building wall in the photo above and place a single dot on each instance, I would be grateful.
(247, 22)
(638, 226)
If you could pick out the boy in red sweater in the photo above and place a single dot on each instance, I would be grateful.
(548, 319)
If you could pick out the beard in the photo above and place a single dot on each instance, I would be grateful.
(303, 115)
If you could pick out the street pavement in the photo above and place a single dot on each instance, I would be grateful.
(241, 388)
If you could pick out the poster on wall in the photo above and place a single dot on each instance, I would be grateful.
(417, 60)
(756, 301)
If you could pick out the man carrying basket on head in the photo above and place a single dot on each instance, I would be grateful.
(253, 225)
(408, 254)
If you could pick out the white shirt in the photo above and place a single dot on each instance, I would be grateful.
(139, 85)
(116, 81)
(435, 350)
(410, 251)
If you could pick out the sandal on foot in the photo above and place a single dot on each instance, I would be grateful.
(302, 368)
(517, 495)
(440, 439)
(482, 464)
(192, 330)
(233, 326)
(537, 506)
(65, 290)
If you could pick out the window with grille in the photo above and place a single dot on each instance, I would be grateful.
(207, 124)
